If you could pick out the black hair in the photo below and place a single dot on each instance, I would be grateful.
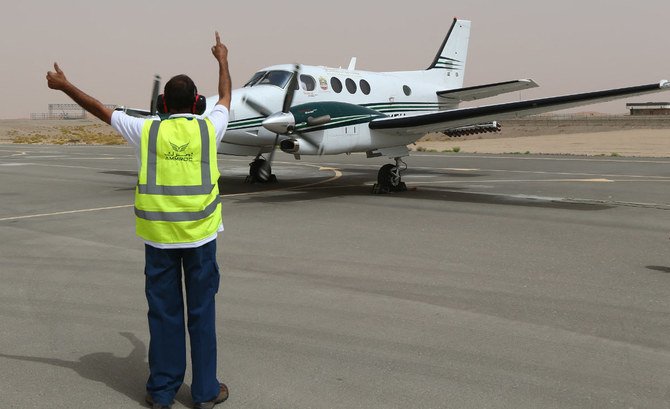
(180, 92)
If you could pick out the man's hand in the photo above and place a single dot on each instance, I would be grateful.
(221, 54)
(219, 50)
(56, 80)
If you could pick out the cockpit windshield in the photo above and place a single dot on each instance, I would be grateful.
(276, 78)
(255, 78)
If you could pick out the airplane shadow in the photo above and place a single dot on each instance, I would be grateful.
(662, 269)
(357, 186)
(121, 173)
(357, 183)
(126, 375)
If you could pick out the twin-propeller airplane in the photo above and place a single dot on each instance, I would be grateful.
(314, 110)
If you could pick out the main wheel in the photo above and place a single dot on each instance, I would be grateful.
(388, 180)
(388, 177)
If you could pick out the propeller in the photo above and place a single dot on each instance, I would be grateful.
(281, 123)
(154, 94)
(261, 109)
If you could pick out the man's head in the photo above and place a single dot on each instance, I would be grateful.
(180, 93)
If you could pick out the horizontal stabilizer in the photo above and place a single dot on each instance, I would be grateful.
(485, 91)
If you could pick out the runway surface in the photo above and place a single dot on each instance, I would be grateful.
(495, 282)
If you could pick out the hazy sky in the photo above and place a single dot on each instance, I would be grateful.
(112, 49)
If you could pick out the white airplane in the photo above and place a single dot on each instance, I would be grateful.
(315, 110)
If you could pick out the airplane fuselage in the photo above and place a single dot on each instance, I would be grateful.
(387, 93)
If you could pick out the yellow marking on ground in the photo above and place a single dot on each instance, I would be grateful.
(338, 174)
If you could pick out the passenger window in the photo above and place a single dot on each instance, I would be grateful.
(407, 90)
(307, 83)
(336, 84)
(351, 85)
(365, 87)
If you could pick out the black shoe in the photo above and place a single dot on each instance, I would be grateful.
(148, 399)
(223, 395)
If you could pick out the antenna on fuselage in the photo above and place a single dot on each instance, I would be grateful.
(154, 94)
(352, 64)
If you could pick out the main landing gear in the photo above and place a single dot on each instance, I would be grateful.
(260, 171)
(389, 178)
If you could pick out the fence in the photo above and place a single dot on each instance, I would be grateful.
(624, 121)
(64, 111)
(59, 115)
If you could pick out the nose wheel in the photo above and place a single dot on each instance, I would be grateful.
(260, 171)
(389, 178)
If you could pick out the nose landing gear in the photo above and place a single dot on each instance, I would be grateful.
(260, 171)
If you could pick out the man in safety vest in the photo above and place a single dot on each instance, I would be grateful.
(178, 214)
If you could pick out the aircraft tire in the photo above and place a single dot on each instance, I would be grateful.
(387, 180)
(256, 174)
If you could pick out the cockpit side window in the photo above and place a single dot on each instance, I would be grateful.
(255, 79)
(276, 78)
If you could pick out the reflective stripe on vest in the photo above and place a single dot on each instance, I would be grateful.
(178, 216)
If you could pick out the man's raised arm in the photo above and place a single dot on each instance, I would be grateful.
(56, 80)
(221, 54)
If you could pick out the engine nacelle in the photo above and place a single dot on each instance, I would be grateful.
(289, 146)
(302, 146)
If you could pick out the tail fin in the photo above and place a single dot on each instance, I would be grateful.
(453, 54)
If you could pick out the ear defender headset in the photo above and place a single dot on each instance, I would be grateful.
(198, 108)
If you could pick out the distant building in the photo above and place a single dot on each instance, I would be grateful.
(649, 108)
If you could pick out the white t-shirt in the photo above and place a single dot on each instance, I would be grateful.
(130, 128)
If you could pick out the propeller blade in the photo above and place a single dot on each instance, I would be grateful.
(154, 94)
(260, 108)
(290, 90)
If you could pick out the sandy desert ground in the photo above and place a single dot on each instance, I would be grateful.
(517, 137)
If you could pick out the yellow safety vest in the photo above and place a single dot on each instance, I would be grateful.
(177, 194)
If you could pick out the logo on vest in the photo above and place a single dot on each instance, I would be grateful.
(179, 153)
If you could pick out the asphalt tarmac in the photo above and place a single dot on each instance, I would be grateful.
(494, 282)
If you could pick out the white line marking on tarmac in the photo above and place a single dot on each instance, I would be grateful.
(519, 181)
(561, 159)
(75, 167)
(337, 175)
(32, 216)
(599, 180)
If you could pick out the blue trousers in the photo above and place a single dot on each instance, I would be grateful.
(167, 348)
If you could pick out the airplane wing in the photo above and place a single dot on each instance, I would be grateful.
(485, 91)
(440, 121)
